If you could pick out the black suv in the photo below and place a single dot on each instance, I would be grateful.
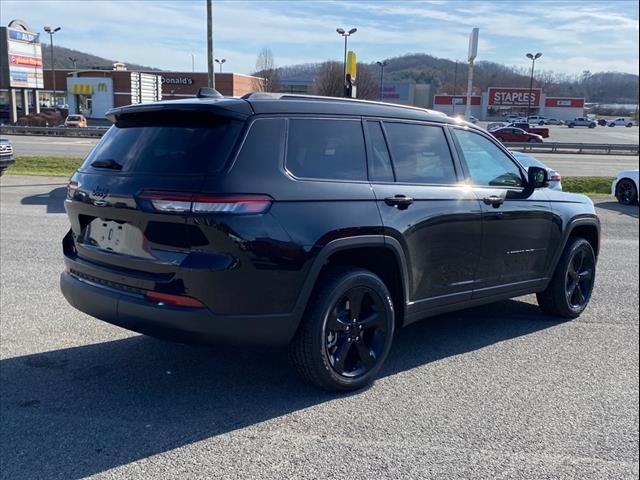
(321, 223)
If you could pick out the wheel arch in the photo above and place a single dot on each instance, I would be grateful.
(381, 254)
(587, 228)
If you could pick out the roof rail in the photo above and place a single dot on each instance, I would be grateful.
(320, 98)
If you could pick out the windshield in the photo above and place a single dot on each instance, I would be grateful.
(169, 145)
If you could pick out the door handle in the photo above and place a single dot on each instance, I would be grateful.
(401, 202)
(494, 200)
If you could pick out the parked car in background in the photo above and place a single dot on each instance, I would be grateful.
(514, 118)
(625, 187)
(542, 131)
(581, 122)
(621, 122)
(283, 220)
(494, 125)
(6, 155)
(602, 122)
(75, 120)
(514, 134)
(526, 160)
(553, 121)
(537, 119)
(473, 119)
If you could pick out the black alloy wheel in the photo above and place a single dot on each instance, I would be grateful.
(579, 279)
(569, 291)
(356, 332)
(347, 330)
(626, 192)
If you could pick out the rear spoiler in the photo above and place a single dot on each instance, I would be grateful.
(225, 107)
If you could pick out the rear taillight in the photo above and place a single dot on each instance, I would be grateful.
(554, 177)
(188, 203)
(72, 188)
(175, 300)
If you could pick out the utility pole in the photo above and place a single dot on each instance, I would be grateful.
(211, 75)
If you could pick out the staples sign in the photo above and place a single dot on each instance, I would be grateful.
(514, 97)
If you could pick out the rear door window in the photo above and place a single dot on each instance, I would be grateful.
(420, 154)
(166, 143)
(380, 169)
(326, 149)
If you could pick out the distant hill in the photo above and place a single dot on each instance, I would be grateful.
(62, 57)
(602, 87)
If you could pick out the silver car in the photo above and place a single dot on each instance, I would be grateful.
(526, 160)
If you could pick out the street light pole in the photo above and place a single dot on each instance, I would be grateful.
(345, 34)
(220, 62)
(533, 59)
(382, 65)
(51, 31)
(74, 61)
(193, 62)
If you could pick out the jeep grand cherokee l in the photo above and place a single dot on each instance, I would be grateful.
(324, 224)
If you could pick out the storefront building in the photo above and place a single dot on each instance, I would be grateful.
(497, 102)
(93, 92)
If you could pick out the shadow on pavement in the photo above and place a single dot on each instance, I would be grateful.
(631, 210)
(79, 411)
(54, 200)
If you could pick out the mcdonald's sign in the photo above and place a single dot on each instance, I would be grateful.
(102, 87)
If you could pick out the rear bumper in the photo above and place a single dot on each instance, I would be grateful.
(189, 325)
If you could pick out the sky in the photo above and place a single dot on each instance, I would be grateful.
(572, 35)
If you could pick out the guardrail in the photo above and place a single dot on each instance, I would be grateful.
(587, 148)
(53, 131)
(547, 147)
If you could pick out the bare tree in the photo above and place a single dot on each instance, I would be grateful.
(329, 81)
(266, 69)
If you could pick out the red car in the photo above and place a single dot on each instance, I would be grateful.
(512, 134)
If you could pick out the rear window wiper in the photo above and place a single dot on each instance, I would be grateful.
(106, 163)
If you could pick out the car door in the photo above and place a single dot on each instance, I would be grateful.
(516, 221)
(414, 176)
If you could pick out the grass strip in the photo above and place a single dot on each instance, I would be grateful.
(42, 165)
(588, 185)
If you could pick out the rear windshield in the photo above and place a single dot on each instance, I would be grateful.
(168, 143)
(74, 117)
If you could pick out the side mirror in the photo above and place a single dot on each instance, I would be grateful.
(537, 177)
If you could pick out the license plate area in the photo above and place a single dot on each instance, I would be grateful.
(115, 237)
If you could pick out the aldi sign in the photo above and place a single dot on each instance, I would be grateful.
(514, 97)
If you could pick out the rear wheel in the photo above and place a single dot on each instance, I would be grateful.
(347, 330)
(569, 291)
(626, 192)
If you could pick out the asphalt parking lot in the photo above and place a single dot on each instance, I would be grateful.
(497, 392)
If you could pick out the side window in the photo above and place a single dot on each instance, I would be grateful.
(420, 154)
(332, 149)
(488, 165)
(379, 162)
(262, 147)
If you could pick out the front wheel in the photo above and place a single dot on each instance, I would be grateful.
(626, 192)
(570, 288)
(347, 330)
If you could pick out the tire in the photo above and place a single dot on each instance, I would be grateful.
(570, 288)
(541, 123)
(626, 192)
(349, 356)
(571, 125)
(592, 125)
(532, 140)
(629, 125)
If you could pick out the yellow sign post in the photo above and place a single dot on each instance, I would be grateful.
(351, 75)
